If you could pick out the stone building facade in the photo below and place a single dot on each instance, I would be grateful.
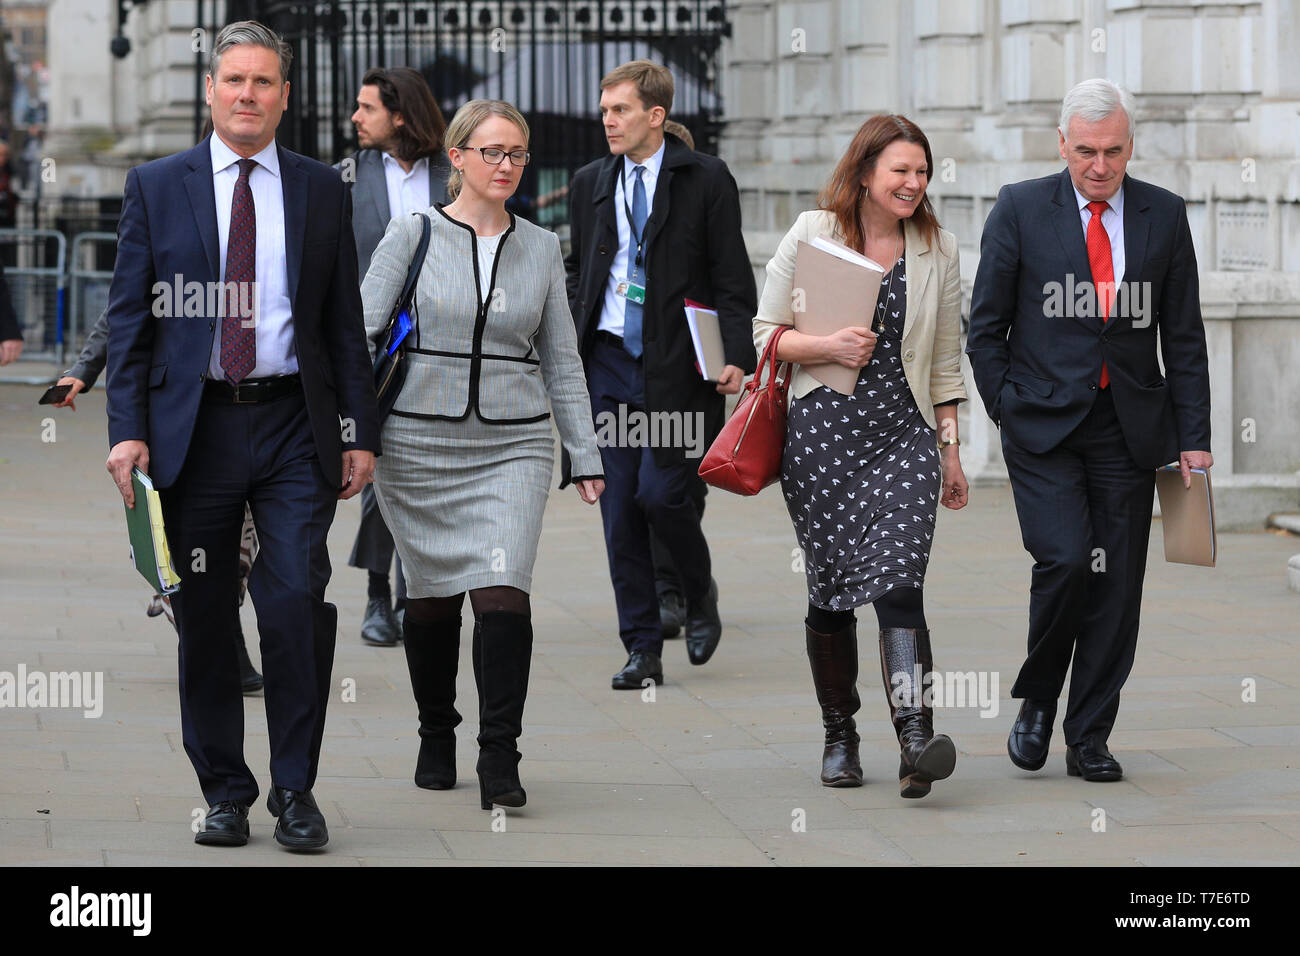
(109, 113)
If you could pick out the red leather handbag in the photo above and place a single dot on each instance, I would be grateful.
(746, 456)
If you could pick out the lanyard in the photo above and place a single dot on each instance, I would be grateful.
(631, 228)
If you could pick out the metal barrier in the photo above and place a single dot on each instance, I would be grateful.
(35, 261)
(88, 284)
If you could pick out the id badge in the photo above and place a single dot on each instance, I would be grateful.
(631, 291)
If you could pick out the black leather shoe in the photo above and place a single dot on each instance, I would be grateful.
(671, 614)
(703, 626)
(301, 825)
(250, 681)
(226, 824)
(1092, 761)
(640, 666)
(1031, 734)
(379, 627)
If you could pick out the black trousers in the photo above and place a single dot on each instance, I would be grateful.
(640, 495)
(1085, 516)
(263, 454)
(666, 577)
(373, 548)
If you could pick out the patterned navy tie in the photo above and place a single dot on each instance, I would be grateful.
(634, 310)
(238, 332)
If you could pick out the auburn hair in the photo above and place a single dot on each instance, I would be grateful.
(844, 192)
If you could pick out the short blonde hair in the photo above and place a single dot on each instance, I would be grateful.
(654, 83)
(469, 118)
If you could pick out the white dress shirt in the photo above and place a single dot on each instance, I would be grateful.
(611, 316)
(273, 312)
(407, 192)
(1112, 220)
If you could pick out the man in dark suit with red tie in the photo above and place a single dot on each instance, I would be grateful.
(1064, 354)
(238, 371)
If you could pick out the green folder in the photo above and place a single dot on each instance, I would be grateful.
(144, 525)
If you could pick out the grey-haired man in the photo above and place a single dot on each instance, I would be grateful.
(1085, 413)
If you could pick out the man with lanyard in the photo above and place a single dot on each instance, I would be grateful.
(654, 224)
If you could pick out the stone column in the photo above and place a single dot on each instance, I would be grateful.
(92, 99)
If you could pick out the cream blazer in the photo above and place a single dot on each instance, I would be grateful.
(931, 325)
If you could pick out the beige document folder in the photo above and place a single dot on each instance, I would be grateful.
(706, 336)
(1187, 515)
(834, 288)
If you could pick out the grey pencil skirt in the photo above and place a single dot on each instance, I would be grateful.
(464, 501)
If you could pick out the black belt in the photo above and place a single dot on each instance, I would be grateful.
(252, 391)
(609, 338)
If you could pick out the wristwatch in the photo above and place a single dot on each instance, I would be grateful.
(949, 441)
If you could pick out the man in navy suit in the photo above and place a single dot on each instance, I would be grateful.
(652, 225)
(1077, 273)
(238, 371)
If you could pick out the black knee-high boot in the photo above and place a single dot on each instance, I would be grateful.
(834, 660)
(433, 657)
(905, 659)
(502, 656)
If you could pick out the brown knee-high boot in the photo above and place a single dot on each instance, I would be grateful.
(905, 659)
(834, 660)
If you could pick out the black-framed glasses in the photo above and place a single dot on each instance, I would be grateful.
(492, 155)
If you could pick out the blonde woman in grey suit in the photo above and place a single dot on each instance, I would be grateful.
(468, 452)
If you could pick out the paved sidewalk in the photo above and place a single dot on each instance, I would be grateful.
(720, 769)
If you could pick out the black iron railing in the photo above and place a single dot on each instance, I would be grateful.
(545, 56)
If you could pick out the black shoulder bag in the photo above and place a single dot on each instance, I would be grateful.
(390, 363)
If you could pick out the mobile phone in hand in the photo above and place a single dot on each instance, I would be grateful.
(55, 393)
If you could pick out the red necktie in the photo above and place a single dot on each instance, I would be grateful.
(1103, 270)
(238, 334)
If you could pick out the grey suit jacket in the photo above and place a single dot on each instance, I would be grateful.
(370, 213)
(511, 361)
(94, 355)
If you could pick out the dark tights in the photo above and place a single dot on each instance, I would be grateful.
(482, 600)
(899, 607)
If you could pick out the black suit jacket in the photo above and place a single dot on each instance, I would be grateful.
(157, 366)
(1037, 356)
(694, 250)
